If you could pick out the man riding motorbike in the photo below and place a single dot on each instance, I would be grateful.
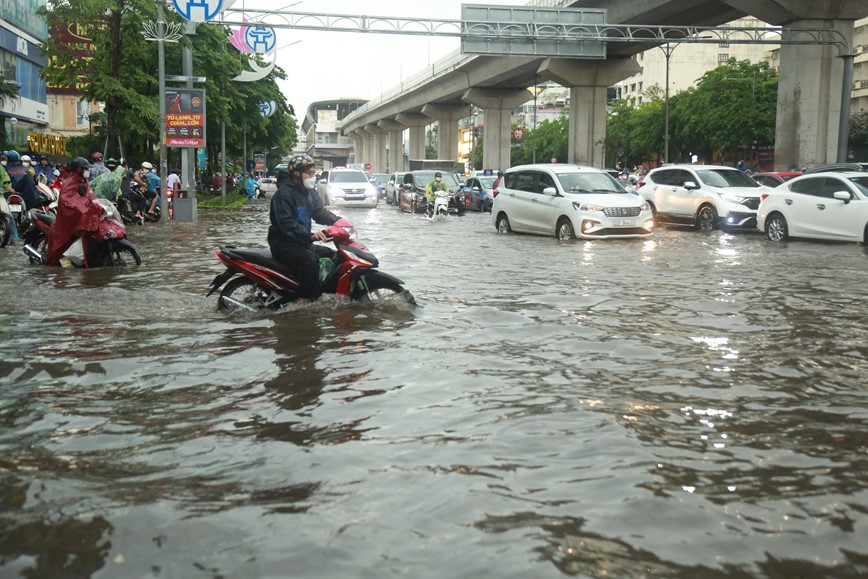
(76, 211)
(293, 208)
(97, 168)
(431, 190)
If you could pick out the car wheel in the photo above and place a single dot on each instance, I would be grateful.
(565, 231)
(706, 218)
(776, 228)
(503, 224)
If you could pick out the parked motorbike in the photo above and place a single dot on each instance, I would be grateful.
(256, 281)
(108, 246)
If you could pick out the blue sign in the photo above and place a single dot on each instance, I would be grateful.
(267, 108)
(260, 39)
(198, 10)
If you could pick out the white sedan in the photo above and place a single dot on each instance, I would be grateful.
(832, 206)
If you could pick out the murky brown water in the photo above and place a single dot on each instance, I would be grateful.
(686, 406)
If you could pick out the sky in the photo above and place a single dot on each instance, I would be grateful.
(332, 65)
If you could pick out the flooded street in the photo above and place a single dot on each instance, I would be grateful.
(687, 405)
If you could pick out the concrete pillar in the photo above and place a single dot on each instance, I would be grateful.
(447, 117)
(497, 136)
(416, 122)
(810, 88)
(358, 137)
(377, 152)
(396, 144)
(588, 81)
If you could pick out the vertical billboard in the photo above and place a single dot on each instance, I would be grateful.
(185, 117)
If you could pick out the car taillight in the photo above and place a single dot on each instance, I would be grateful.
(494, 192)
(763, 196)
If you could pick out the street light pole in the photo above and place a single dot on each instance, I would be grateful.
(667, 50)
(161, 52)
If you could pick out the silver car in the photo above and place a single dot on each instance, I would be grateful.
(346, 188)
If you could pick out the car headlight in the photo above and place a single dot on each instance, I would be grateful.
(646, 206)
(733, 198)
(586, 207)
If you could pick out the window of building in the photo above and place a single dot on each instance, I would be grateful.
(724, 45)
(723, 58)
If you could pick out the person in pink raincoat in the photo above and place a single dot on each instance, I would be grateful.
(76, 211)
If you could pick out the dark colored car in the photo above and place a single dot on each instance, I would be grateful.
(774, 178)
(411, 193)
(478, 193)
(379, 181)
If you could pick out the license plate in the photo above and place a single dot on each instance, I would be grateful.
(624, 223)
(16, 208)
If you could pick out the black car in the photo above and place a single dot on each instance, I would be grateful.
(411, 194)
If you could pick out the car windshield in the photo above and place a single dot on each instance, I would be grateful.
(725, 178)
(380, 178)
(589, 183)
(487, 182)
(347, 177)
(861, 184)
(423, 178)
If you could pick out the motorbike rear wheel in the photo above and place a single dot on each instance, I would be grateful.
(5, 229)
(37, 241)
(241, 294)
(378, 290)
(118, 256)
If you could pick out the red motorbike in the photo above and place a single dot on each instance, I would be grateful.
(108, 246)
(260, 282)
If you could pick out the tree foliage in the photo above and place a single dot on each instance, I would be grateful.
(550, 139)
(123, 73)
(731, 106)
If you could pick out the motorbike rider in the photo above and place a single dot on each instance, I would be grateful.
(431, 190)
(45, 168)
(97, 168)
(76, 211)
(108, 185)
(293, 208)
(148, 188)
(27, 163)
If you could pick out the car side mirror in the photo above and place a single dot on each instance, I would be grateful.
(842, 195)
(322, 181)
(550, 191)
(690, 185)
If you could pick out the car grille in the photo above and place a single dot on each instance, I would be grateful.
(354, 192)
(752, 203)
(622, 211)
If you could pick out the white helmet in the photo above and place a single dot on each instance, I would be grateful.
(147, 166)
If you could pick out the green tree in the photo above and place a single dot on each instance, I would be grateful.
(122, 73)
(549, 139)
(731, 107)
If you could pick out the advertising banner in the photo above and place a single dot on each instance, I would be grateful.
(22, 14)
(259, 162)
(185, 117)
(74, 39)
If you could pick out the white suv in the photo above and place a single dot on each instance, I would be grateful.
(703, 196)
(568, 201)
(346, 187)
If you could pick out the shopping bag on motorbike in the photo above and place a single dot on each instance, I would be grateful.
(327, 268)
(75, 252)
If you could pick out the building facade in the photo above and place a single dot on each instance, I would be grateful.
(21, 32)
(320, 131)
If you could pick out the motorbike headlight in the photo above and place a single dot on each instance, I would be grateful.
(586, 207)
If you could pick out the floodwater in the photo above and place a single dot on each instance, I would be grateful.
(687, 405)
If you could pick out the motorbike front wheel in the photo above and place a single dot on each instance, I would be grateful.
(241, 294)
(381, 290)
(5, 229)
(118, 256)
